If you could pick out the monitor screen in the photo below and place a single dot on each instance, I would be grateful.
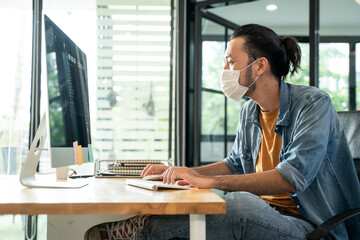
(69, 118)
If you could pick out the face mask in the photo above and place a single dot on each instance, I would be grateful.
(230, 83)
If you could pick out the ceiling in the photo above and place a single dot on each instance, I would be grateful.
(337, 17)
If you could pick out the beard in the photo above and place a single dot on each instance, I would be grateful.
(249, 81)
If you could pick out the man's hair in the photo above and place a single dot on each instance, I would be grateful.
(283, 54)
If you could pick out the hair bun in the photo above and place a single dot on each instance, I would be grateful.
(293, 52)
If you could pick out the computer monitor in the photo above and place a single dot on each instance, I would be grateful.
(68, 97)
(67, 119)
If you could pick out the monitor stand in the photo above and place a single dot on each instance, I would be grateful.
(28, 171)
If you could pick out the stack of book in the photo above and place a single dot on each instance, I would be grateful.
(130, 167)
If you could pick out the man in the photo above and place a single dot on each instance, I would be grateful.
(290, 167)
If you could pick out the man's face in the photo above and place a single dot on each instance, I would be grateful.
(237, 59)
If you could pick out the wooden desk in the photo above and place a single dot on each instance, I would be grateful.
(110, 196)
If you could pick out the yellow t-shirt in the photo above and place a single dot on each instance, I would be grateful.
(268, 158)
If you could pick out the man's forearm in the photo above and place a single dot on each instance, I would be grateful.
(219, 168)
(265, 183)
(219, 176)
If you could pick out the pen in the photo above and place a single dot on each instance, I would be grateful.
(81, 176)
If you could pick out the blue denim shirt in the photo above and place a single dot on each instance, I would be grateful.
(315, 157)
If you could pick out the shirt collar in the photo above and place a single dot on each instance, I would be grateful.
(284, 108)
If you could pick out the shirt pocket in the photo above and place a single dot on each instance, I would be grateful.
(246, 159)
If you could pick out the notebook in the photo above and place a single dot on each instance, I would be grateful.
(122, 168)
(154, 185)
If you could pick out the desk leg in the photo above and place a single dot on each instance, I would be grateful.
(197, 227)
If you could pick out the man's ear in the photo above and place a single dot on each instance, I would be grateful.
(262, 66)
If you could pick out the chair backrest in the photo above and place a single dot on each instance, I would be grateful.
(351, 124)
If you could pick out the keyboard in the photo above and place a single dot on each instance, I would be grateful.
(154, 185)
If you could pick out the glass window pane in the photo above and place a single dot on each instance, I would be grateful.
(212, 63)
(15, 71)
(302, 76)
(212, 150)
(213, 103)
(15, 75)
(12, 227)
(133, 80)
(357, 73)
(212, 127)
(334, 73)
(233, 110)
(212, 113)
(212, 31)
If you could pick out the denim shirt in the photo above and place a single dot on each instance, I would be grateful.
(314, 157)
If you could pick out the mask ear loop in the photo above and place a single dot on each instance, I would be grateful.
(249, 65)
(257, 75)
(253, 81)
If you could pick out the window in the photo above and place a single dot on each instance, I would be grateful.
(133, 80)
(213, 102)
(212, 127)
(15, 71)
(212, 63)
(302, 76)
(334, 73)
(15, 75)
(219, 115)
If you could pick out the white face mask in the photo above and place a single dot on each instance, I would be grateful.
(230, 83)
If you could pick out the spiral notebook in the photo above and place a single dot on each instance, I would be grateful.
(123, 168)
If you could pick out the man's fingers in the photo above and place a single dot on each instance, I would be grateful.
(182, 182)
(151, 169)
(145, 170)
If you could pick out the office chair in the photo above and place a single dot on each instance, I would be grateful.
(351, 124)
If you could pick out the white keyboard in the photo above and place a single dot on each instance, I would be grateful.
(153, 185)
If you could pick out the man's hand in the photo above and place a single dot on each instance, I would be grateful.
(152, 169)
(188, 175)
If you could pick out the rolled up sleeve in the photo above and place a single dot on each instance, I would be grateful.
(233, 160)
(303, 156)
